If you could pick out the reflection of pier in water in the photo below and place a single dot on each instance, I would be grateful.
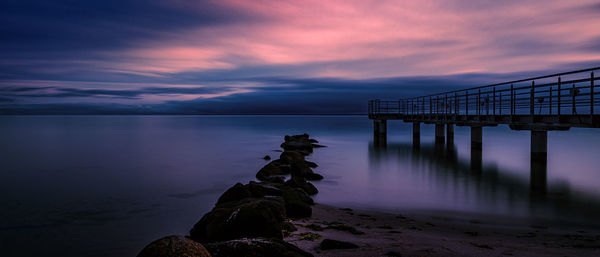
(486, 182)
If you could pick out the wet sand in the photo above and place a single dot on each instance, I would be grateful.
(435, 234)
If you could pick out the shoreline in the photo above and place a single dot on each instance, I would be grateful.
(410, 234)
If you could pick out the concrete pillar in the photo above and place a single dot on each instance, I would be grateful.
(476, 137)
(450, 133)
(476, 149)
(539, 153)
(439, 133)
(416, 134)
(380, 133)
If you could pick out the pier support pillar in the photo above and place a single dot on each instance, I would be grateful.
(476, 149)
(439, 133)
(416, 135)
(380, 132)
(539, 153)
(450, 133)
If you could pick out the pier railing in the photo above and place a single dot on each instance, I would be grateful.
(569, 93)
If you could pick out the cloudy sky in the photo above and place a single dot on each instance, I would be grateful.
(230, 56)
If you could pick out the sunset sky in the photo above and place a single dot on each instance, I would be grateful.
(229, 56)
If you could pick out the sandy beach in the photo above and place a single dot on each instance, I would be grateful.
(385, 234)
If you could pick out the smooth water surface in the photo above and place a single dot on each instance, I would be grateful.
(108, 185)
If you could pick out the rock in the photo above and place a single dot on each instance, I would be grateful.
(262, 189)
(255, 247)
(174, 246)
(274, 179)
(298, 210)
(297, 145)
(300, 169)
(251, 190)
(317, 146)
(234, 193)
(313, 176)
(330, 244)
(266, 158)
(289, 226)
(303, 137)
(310, 164)
(291, 157)
(274, 168)
(299, 182)
(246, 218)
(297, 195)
(313, 141)
(297, 203)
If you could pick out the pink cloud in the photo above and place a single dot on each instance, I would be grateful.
(450, 37)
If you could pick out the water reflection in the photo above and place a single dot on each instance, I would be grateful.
(496, 190)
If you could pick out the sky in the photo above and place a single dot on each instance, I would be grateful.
(276, 57)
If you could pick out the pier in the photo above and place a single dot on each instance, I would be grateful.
(540, 104)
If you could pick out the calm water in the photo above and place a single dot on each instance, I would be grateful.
(107, 185)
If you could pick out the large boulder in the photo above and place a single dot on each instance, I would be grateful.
(174, 246)
(297, 203)
(252, 189)
(245, 218)
(255, 247)
(300, 182)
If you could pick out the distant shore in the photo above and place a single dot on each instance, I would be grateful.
(386, 234)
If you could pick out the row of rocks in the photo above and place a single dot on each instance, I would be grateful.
(250, 219)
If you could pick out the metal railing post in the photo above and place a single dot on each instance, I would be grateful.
(531, 100)
(591, 96)
(512, 102)
(550, 102)
(500, 104)
(494, 102)
(558, 99)
(478, 103)
(573, 99)
(455, 104)
(467, 102)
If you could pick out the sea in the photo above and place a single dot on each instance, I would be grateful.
(109, 185)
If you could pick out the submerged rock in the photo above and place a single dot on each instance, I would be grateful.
(174, 246)
(266, 158)
(330, 244)
(246, 218)
(255, 247)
